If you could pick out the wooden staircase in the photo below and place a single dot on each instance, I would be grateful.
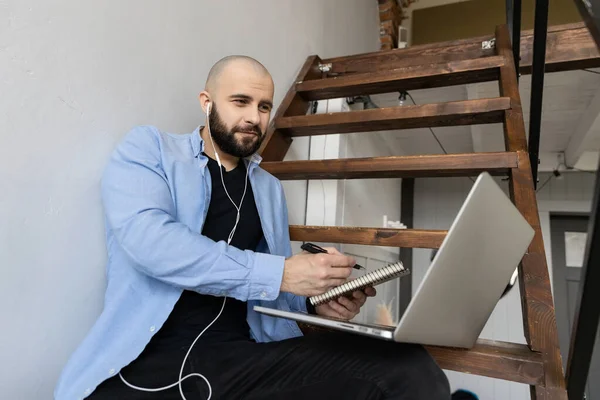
(538, 363)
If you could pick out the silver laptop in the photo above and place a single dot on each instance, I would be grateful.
(466, 279)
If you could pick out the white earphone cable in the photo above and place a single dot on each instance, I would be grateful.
(237, 220)
(181, 379)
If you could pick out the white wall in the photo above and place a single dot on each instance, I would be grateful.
(367, 200)
(437, 200)
(353, 202)
(363, 203)
(75, 77)
(356, 202)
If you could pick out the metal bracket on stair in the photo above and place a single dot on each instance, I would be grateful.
(325, 67)
(488, 44)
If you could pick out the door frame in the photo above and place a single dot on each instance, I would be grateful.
(552, 207)
(578, 223)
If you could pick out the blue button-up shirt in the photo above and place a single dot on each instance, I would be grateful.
(156, 190)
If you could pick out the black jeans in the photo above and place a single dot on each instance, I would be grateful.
(316, 366)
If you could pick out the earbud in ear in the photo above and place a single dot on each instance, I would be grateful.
(208, 108)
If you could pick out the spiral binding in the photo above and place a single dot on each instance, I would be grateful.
(373, 278)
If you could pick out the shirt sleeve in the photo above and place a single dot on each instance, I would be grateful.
(140, 213)
(296, 303)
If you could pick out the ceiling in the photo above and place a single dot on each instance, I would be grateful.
(570, 122)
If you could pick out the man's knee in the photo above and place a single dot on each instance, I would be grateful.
(433, 382)
(420, 378)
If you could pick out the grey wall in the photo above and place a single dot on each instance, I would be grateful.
(75, 76)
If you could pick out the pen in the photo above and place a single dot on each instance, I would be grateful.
(314, 249)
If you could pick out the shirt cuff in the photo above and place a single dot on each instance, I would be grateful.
(265, 280)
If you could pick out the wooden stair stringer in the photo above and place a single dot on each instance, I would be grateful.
(537, 364)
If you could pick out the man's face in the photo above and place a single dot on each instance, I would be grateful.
(241, 110)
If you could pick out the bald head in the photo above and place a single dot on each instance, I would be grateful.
(233, 62)
(237, 101)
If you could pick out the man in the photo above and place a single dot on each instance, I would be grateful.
(197, 234)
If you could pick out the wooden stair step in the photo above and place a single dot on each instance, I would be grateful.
(407, 78)
(409, 238)
(502, 360)
(570, 47)
(431, 53)
(465, 112)
(394, 167)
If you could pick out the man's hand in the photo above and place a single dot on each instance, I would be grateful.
(345, 307)
(311, 274)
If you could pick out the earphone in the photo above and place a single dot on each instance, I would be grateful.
(238, 208)
(211, 141)
(237, 220)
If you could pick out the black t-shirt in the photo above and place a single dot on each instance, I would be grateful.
(194, 311)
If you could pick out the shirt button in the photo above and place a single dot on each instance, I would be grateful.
(263, 294)
(112, 371)
(152, 328)
(88, 391)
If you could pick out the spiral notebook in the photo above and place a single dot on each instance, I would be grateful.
(373, 278)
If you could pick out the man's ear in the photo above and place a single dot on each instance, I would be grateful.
(205, 100)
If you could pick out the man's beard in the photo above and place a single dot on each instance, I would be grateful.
(226, 140)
